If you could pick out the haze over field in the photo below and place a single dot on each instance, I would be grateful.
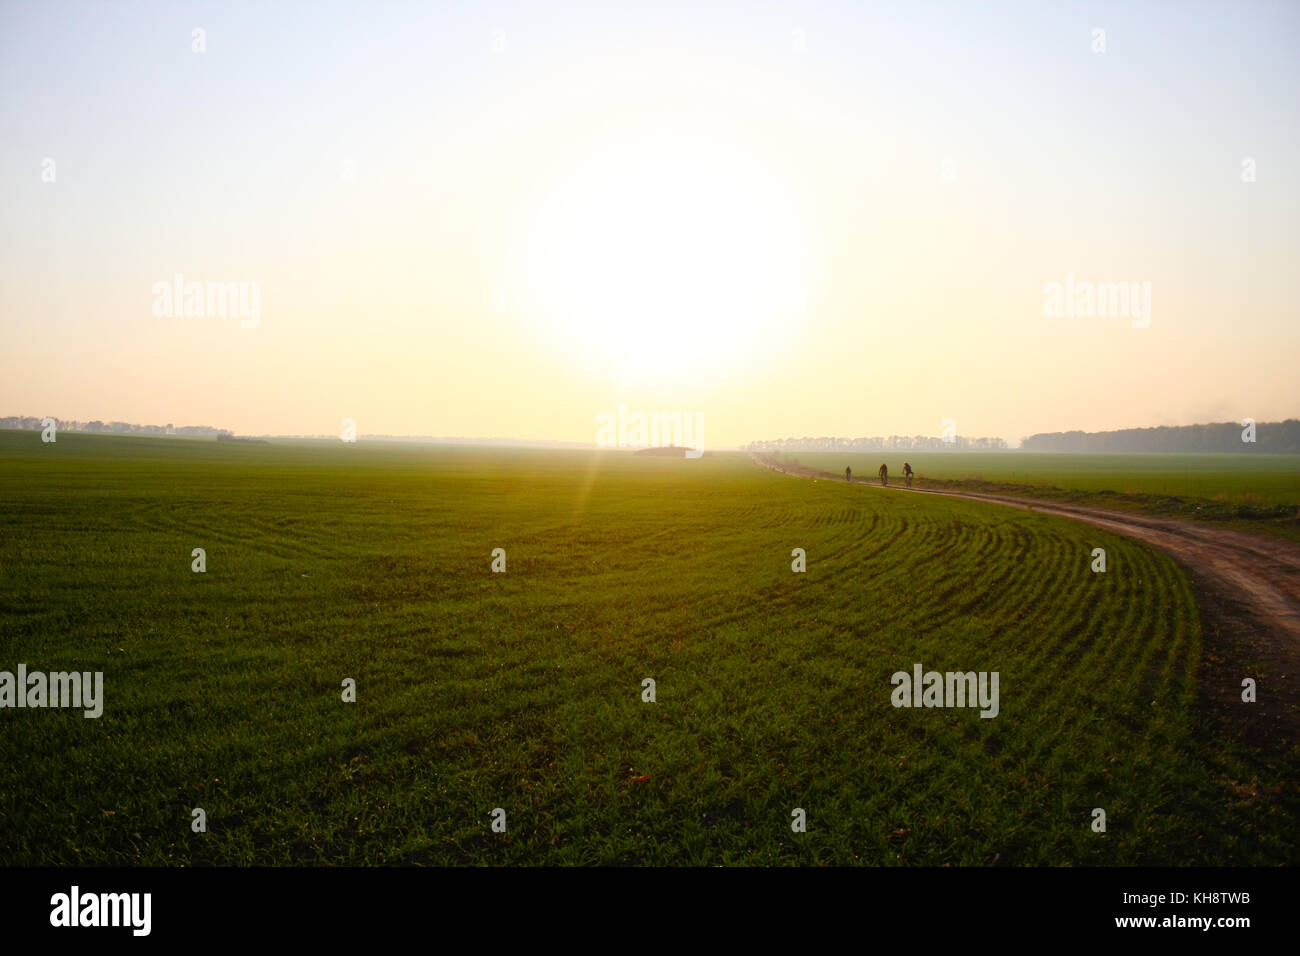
(956, 342)
(506, 219)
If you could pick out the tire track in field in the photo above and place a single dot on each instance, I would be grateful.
(1248, 589)
(1267, 572)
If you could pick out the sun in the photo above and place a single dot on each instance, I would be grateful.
(666, 268)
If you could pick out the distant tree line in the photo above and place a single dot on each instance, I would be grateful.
(113, 428)
(893, 442)
(1275, 438)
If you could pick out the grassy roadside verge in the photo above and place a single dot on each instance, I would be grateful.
(1276, 520)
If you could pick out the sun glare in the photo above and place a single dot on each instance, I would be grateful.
(666, 268)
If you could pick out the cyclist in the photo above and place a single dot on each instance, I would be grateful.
(907, 473)
(848, 474)
(884, 474)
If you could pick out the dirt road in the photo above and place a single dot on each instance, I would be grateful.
(1248, 588)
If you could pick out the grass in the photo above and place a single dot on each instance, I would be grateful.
(1247, 492)
(522, 690)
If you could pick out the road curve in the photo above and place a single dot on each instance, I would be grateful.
(1248, 586)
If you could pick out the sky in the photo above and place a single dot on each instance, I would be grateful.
(507, 219)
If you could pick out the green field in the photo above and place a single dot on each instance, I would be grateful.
(522, 690)
(1248, 478)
